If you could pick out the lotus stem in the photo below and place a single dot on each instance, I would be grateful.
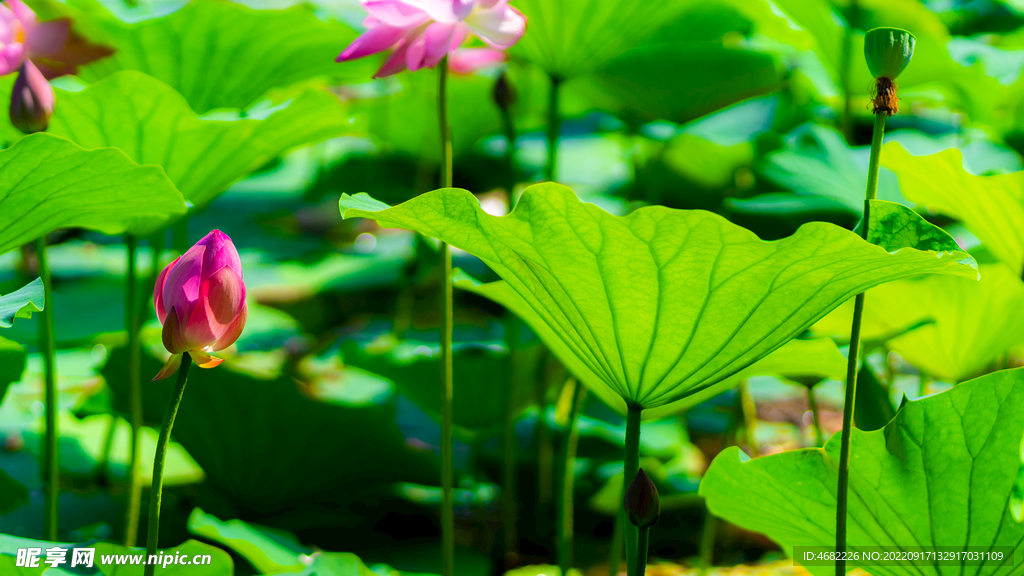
(812, 403)
(566, 480)
(630, 466)
(508, 493)
(554, 127)
(853, 357)
(641, 551)
(615, 555)
(132, 313)
(156, 492)
(749, 410)
(707, 542)
(51, 466)
(447, 481)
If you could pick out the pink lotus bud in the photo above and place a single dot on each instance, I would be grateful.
(200, 300)
(31, 100)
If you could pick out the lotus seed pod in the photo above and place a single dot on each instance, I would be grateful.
(641, 501)
(888, 51)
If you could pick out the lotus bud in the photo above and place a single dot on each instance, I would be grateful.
(31, 100)
(200, 300)
(887, 52)
(641, 501)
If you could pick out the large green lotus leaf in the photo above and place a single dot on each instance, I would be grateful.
(267, 554)
(973, 322)
(818, 357)
(992, 207)
(153, 124)
(22, 303)
(572, 37)
(221, 54)
(220, 563)
(660, 304)
(635, 83)
(48, 182)
(940, 474)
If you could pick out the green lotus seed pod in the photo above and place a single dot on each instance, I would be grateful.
(888, 51)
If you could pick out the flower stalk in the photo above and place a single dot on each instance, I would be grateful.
(447, 321)
(566, 479)
(554, 127)
(132, 321)
(156, 492)
(630, 467)
(51, 465)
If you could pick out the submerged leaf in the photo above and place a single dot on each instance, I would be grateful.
(153, 124)
(940, 474)
(22, 303)
(47, 182)
(660, 304)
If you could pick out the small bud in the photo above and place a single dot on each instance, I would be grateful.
(641, 501)
(504, 93)
(31, 100)
(888, 51)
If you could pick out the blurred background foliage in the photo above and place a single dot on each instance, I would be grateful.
(320, 431)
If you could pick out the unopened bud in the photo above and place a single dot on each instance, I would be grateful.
(641, 501)
(504, 93)
(31, 100)
(888, 51)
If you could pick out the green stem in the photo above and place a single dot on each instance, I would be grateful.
(508, 493)
(853, 360)
(51, 466)
(156, 493)
(630, 466)
(812, 402)
(566, 478)
(447, 507)
(554, 126)
(509, 127)
(707, 542)
(749, 410)
(641, 551)
(131, 520)
(179, 235)
(615, 556)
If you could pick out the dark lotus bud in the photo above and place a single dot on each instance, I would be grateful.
(31, 101)
(504, 94)
(641, 501)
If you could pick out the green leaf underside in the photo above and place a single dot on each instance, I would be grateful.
(22, 303)
(218, 66)
(940, 474)
(660, 304)
(990, 206)
(894, 226)
(153, 124)
(47, 182)
(266, 554)
(818, 357)
(973, 323)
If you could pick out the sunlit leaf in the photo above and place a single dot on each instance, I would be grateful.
(153, 124)
(47, 182)
(661, 304)
(22, 303)
(225, 55)
(940, 474)
(973, 322)
(268, 555)
(992, 207)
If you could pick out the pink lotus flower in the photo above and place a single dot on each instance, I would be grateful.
(200, 300)
(38, 51)
(422, 32)
(470, 60)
